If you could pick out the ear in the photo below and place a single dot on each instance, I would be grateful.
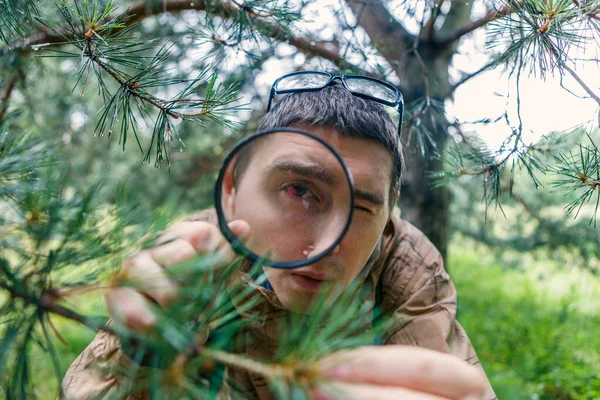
(389, 226)
(228, 195)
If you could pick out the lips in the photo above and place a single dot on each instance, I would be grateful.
(307, 283)
(311, 274)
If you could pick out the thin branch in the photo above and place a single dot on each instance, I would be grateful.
(468, 77)
(584, 86)
(353, 28)
(435, 12)
(387, 34)
(132, 87)
(8, 90)
(473, 25)
(418, 114)
(47, 302)
(142, 10)
(564, 65)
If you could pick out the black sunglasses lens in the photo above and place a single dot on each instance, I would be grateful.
(373, 89)
(312, 80)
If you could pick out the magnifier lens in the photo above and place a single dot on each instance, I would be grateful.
(293, 191)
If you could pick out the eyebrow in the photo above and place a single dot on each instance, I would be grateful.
(372, 198)
(317, 172)
(307, 170)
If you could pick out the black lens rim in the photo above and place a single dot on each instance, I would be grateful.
(369, 97)
(331, 77)
(236, 244)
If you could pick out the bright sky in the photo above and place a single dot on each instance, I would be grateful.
(545, 106)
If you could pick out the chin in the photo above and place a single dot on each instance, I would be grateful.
(300, 304)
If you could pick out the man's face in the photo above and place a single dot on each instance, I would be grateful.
(370, 164)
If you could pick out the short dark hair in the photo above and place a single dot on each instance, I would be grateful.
(352, 116)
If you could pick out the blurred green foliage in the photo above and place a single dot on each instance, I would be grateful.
(532, 342)
(536, 339)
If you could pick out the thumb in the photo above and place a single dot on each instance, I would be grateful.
(239, 228)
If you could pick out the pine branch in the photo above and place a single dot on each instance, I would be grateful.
(580, 173)
(16, 16)
(497, 168)
(540, 34)
(352, 28)
(103, 45)
(48, 303)
(142, 10)
(532, 229)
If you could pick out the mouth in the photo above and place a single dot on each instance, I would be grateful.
(308, 281)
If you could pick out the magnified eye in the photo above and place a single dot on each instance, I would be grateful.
(297, 190)
(297, 193)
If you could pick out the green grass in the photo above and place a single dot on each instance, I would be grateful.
(535, 339)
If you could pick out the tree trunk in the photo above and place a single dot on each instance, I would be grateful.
(422, 65)
(422, 205)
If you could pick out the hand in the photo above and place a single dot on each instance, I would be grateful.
(144, 271)
(400, 372)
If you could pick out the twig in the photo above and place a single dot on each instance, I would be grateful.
(353, 28)
(435, 12)
(468, 77)
(584, 86)
(473, 25)
(8, 89)
(47, 302)
(425, 76)
(564, 65)
(141, 10)
(132, 88)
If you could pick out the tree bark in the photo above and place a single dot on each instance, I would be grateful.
(423, 205)
(423, 68)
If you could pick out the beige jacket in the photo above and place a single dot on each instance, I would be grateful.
(414, 287)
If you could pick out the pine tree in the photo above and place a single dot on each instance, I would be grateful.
(64, 229)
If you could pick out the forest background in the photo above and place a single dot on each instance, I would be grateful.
(502, 175)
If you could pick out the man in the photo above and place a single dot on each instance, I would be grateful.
(427, 354)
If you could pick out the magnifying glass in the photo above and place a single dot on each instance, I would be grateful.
(294, 191)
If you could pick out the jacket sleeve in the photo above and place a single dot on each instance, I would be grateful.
(419, 293)
(101, 372)
(104, 371)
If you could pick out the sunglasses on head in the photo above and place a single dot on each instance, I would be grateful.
(361, 86)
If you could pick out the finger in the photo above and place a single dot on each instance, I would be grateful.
(173, 253)
(191, 231)
(204, 237)
(408, 367)
(240, 228)
(130, 308)
(142, 273)
(359, 391)
(179, 230)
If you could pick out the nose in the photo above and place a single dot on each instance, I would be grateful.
(327, 237)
